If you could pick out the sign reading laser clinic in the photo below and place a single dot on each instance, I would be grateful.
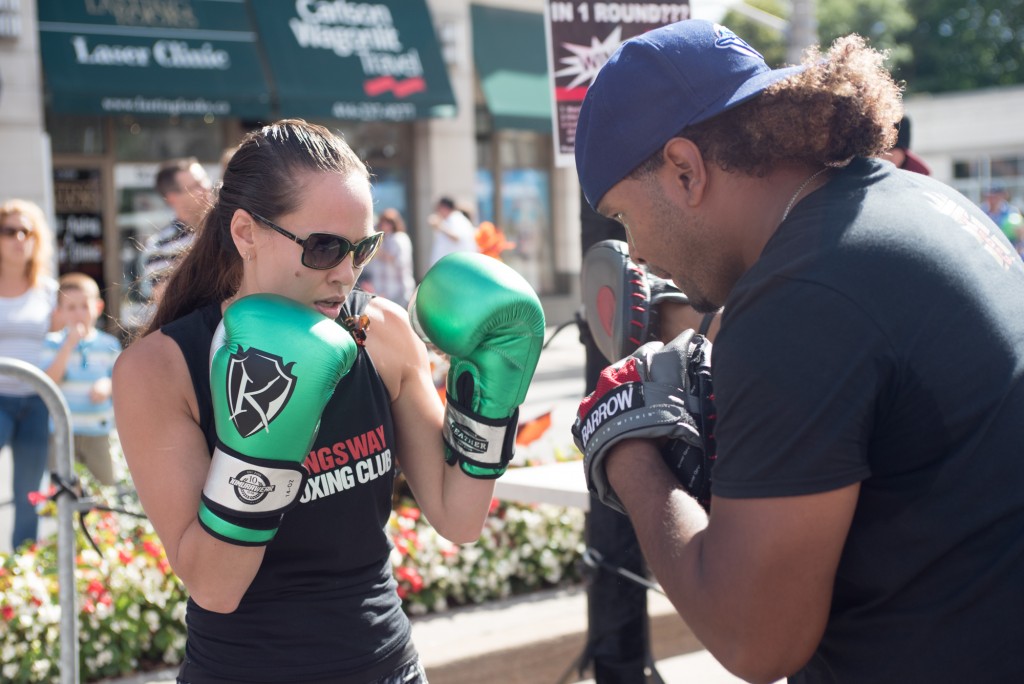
(164, 57)
(170, 54)
(581, 38)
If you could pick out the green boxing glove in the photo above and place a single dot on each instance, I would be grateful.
(488, 319)
(273, 366)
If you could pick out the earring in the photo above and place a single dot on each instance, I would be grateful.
(248, 256)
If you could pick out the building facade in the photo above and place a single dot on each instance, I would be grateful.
(95, 95)
(453, 100)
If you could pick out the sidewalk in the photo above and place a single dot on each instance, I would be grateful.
(533, 639)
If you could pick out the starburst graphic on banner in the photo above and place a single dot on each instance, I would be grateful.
(587, 60)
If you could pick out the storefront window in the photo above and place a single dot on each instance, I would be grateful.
(76, 134)
(141, 212)
(974, 176)
(158, 139)
(513, 184)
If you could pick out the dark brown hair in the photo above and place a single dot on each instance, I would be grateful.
(263, 176)
(842, 106)
(167, 175)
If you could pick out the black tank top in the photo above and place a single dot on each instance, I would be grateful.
(324, 605)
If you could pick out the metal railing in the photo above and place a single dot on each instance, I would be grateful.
(66, 506)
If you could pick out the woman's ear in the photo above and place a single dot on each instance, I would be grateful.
(243, 232)
(686, 164)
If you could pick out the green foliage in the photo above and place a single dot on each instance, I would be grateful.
(768, 41)
(884, 23)
(131, 607)
(933, 45)
(965, 44)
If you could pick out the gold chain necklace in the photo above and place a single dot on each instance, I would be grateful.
(803, 185)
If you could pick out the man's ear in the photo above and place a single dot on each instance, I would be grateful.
(686, 164)
(243, 232)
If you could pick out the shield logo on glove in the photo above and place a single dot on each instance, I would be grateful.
(259, 386)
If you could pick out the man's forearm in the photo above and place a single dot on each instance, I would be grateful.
(757, 600)
(670, 526)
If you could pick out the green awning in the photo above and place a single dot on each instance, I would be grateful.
(511, 60)
(356, 61)
(188, 59)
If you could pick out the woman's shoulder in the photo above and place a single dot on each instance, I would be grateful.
(389, 315)
(154, 358)
(390, 340)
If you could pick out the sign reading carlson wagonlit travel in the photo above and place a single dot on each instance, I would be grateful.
(364, 61)
(581, 38)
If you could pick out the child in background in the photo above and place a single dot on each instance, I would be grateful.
(80, 359)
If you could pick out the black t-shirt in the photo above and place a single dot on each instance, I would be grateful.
(880, 339)
(324, 604)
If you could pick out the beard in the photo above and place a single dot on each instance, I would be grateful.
(683, 256)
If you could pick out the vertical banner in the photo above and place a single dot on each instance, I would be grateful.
(581, 36)
(79, 215)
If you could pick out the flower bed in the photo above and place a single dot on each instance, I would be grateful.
(132, 607)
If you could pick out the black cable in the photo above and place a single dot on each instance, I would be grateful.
(84, 505)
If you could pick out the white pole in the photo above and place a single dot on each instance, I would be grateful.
(68, 596)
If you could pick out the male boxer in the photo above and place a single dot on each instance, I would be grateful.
(866, 502)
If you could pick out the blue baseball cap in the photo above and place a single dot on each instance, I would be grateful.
(654, 86)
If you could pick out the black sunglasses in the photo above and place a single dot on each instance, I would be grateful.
(322, 251)
(20, 232)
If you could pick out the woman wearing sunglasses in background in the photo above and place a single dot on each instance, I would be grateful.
(266, 409)
(28, 295)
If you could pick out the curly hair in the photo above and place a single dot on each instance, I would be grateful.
(844, 105)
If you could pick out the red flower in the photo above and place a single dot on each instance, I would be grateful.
(412, 576)
(7, 612)
(402, 592)
(410, 512)
(124, 557)
(88, 606)
(494, 506)
(95, 588)
(152, 548)
(36, 498)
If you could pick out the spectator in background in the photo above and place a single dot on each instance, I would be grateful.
(390, 274)
(186, 188)
(900, 154)
(453, 231)
(491, 240)
(1005, 215)
(80, 358)
(28, 294)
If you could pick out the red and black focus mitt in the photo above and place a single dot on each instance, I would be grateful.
(621, 299)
